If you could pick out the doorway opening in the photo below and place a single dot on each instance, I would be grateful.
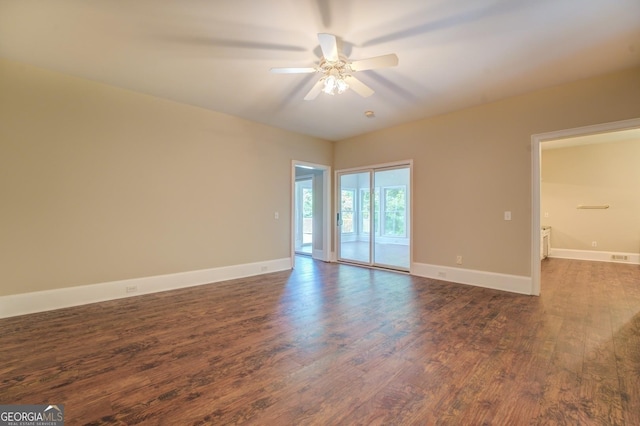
(303, 215)
(374, 216)
(310, 210)
(536, 225)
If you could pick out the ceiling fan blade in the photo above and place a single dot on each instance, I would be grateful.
(383, 61)
(292, 70)
(315, 90)
(329, 46)
(359, 87)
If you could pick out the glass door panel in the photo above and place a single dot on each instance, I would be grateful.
(391, 241)
(354, 217)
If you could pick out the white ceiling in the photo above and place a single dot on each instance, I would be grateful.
(217, 54)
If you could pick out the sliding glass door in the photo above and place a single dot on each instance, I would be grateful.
(374, 217)
(354, 218)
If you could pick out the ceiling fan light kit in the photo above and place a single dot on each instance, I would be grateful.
(334, 77)
(337, 71)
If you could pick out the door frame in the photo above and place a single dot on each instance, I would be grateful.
(326, 209)
(536, 157)
(336, 209)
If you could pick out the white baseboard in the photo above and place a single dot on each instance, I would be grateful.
(40, 301)
(595, 256)
(511, 283)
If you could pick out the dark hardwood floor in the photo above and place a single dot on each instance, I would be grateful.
(335, 344)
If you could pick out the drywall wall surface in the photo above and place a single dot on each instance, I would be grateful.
(472, 165)
(100, 184)
(598, 175)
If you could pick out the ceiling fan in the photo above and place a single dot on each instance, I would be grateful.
(337, 70)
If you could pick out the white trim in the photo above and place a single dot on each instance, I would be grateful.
(536, 140)
(40, 301)
(595, 256)
(390, 165)
(511, 283)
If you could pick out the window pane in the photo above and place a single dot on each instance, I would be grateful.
(394, 224)
(376, 211)
(365, 215)
(346, 215)
(307, 202)
(347, 200)
(395, 206)
(347, 222)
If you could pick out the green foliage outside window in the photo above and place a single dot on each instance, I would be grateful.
(395, 206)
(307, 203)
(366, 213)
(347, 208)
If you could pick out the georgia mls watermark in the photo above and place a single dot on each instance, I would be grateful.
(31, 415)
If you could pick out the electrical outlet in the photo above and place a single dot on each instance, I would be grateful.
(459, 260)
(594, 244)
(131, 288)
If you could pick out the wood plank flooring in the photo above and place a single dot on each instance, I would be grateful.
(332, 344)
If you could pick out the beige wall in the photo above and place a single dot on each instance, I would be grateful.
(592, 175)
(472, 165)
(100, 184)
